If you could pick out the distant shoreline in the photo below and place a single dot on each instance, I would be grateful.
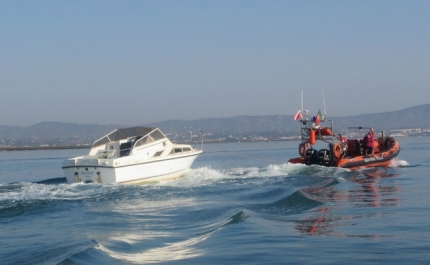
(24, 148)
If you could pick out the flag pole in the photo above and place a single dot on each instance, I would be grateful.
(325, 112)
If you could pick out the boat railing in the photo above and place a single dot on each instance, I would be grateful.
(357, 134)
(311, 129)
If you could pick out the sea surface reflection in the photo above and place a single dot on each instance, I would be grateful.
(366, 188)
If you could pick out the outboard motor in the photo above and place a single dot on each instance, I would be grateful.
(324, 157)
(311, 157)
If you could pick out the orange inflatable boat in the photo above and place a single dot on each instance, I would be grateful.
(342, 151)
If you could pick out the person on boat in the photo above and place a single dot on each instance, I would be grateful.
(344, 142)
(368, 142)
(342, 139)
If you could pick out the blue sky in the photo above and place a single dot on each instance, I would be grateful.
(137, 62)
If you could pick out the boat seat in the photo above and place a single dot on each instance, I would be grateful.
(124, 149)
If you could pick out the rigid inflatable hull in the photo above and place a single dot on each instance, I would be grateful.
(380, 159)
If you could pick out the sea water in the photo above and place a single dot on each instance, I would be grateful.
(240, 203)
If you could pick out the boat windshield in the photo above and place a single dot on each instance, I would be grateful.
(153, 136)
(121, 134)
(357, 132)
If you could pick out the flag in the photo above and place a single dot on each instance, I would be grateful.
(318, 118)
(298, 115)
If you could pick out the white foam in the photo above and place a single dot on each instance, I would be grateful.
(208, 176)
(35, 191)
(398, 163)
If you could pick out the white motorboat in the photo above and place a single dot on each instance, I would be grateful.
(131, 155)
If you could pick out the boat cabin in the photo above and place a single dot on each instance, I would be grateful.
(131, 141)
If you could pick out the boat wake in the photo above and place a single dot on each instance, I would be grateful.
(18, 198)
(206, 176)
(58, 189)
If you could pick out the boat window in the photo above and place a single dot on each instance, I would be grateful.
(178, 150)
(158, 153)
(157, 135)
(134, 139)
(102, 141)
(187, 149)
(144, 140)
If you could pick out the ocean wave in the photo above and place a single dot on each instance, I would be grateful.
(53, 255)
(164, 247)
(168, 252)
(294, 203)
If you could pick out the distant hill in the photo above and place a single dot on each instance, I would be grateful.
(239, 124)
(413, 117)
(55, 129)
(60, 133)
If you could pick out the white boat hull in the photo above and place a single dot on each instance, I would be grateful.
(127, 171)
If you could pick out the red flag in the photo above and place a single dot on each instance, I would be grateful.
(298, 115)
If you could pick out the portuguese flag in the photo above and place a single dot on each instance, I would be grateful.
(318, 118)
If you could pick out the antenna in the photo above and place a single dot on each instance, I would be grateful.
(201, 135)
(325, 112)
(302, 101)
